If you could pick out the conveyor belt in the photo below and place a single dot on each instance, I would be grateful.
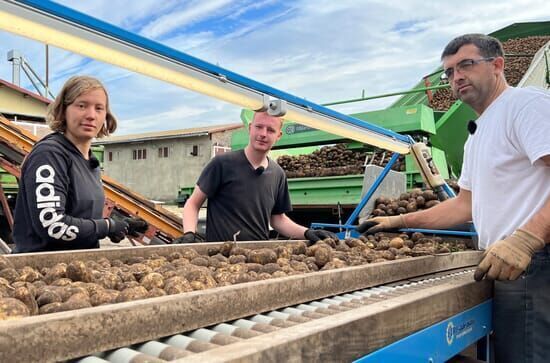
(306, 331)
(72, 334)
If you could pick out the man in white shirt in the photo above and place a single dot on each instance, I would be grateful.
(505, 190)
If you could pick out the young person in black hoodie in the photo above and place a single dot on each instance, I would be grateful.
(60, 201)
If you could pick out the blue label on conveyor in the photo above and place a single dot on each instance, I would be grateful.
(439, 342)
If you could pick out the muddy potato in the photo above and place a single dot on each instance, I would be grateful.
(238, 268)
(213, 262)
(396, 242)
(6, 290)
(104, 262)
(33, 290)
(299, 248)
(420, 201)
(387, 255)
(212, 251)
(432, 203)
(203, 276)
(48, 297)
(401, 210)
(262, 256)
(189, 253)
(127, 276)
(411, 207)
(56, 272)
(343, 247)
(271, 268)
(354, 242)
(139, 270)
(11, 308)
(93, 265)
(233, 259)
(23, 295)
(283, 251)
(77, 301)
(51, 308)
(109, 280)
(299, 266)
(38, 284)
(310, 263)
(220, 257)
(237, 250)
(263, 276)
(378, 213)
(156, 262)
(333, 264)
(104, 297)
(134, 259)
(77, 271)
(226, 248)
(9, 274)
(254, 267)
(402, 204)
(177, 285)
(278, 274)
(222, 276)
(132, 293)
(156, 292)
(322, 256)
(117, 263)
(126, 285)
(200, 261)
(152, 280)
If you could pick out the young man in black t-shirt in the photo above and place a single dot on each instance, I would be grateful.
(246, 192)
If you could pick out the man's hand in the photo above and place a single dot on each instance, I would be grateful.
(117, 230)
(136, 225)
(508, 258)
(379, 224)
(315, 235)
(189, 237)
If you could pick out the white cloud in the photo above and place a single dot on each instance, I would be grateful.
(321, 50)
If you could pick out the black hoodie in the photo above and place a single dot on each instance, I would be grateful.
(60, 200)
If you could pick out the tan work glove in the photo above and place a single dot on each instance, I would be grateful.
(379, 224)
(508, 258)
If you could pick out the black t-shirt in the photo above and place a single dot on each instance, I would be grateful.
(60, 200)
(240, 199)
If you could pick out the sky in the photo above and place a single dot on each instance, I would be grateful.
(322, 50)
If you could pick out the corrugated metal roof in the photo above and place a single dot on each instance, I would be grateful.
(170, 134)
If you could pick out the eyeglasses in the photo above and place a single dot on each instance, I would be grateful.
(463, 66)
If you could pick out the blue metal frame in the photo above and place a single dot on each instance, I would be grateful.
(181, 57)
(441, 341)
(348, 225)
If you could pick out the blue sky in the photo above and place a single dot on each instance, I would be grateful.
(322, 50)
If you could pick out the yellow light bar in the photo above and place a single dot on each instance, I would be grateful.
(347, 130)
(33, 25)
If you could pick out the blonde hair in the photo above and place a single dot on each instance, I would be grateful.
(72, 89)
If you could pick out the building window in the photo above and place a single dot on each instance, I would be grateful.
(139, 154)
(163, 152)
(110, 156)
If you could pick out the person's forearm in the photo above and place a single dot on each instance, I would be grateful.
(190, 217)
(287, 227)
(539, 224)
(447, 214)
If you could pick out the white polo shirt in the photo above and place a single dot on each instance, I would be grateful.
(502, 166)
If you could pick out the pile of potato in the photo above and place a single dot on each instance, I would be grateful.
(335, 160)
(417, 199)
(519, 53)
(80, 284)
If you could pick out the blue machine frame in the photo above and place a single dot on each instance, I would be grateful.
(441, 341)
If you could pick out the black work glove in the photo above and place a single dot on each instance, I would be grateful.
(315, 235)
(189, 237)
(136, 225)
(380, 224)
(118, 229)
